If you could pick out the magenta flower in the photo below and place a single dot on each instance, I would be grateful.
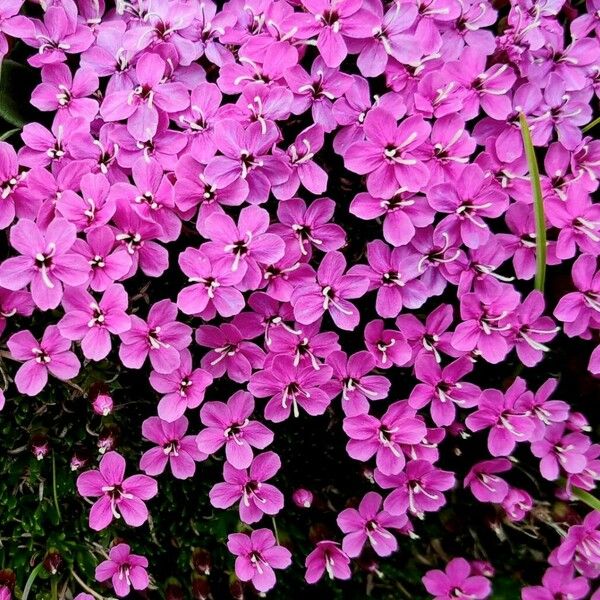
(456, 581)
(506, 415)
(330, 292)
(532, 330)
(582, 542)
(559, 449)
(14, 199)
(231, 352)
(60, 90)
(581, 309)
(485, 484)
(433, 336)
(303, 169)
(443, 388)
(213, 285)
(93, 321)
(93, 208)
(13, 304)
(118, 496)
(418, 489)
(46, 262)
(335, 20)
(351, 376)
(370, 523)
(387, 156)
(317, 90)
(384, 437)
(245, 154)
(289, 387)
(183, 388)
(59, 33)
(249, 488)
(545, 411)
(308, 228)
(486, 322)
(244, 246)
(327, 557)
(387, 346)
(108, 261)
(50, 355)
(141, 104)
(402, 214)
(470, 198)
(393, 273)
(229, 425)
(257, 555)
(161, 338)
(173, 447)
(557, 582)
(125, 570)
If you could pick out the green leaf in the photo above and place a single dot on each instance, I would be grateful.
(586, 498)
(12, 75)
(538, 205)
(9, 133)
(31, 579)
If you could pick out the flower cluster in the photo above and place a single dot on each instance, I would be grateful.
(205, 146)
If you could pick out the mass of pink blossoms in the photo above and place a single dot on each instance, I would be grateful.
(174, 124)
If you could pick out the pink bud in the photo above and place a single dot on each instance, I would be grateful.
(103, 404)
(302, 498)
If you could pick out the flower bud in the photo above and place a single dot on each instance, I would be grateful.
(52, 561)
(200, 588)
(173, 591)
(303, 498)
(107, 440)
(236, 589)
(201, 561)
(40, 446)
(103, 404)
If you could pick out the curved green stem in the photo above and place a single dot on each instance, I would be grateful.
(590, 125)
(538, 204)
(30, 580)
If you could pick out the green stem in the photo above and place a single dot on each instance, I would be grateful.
(538, 204)
(54, 588)
(9, 133)
(30, 580)
(275, 530)
(590, 125)
(586, 498)
(54, 488)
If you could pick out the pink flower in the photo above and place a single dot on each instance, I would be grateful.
(125, 570)
(456, 581)
(384, 437)
(51, 355)
(289, 387)
(161, 338)
(506, 415)
(119, 496)
(369, 523)
(387, 157)
(231, 353)
(228, 425)
(327, 557)
(485, 484)
(417, 489)
(140, 106)
(249, 488)
(183, 388)
(46, 262)
(257, 555)
(93, 321)
(173, 447)
(330, 292)
(443, 389)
